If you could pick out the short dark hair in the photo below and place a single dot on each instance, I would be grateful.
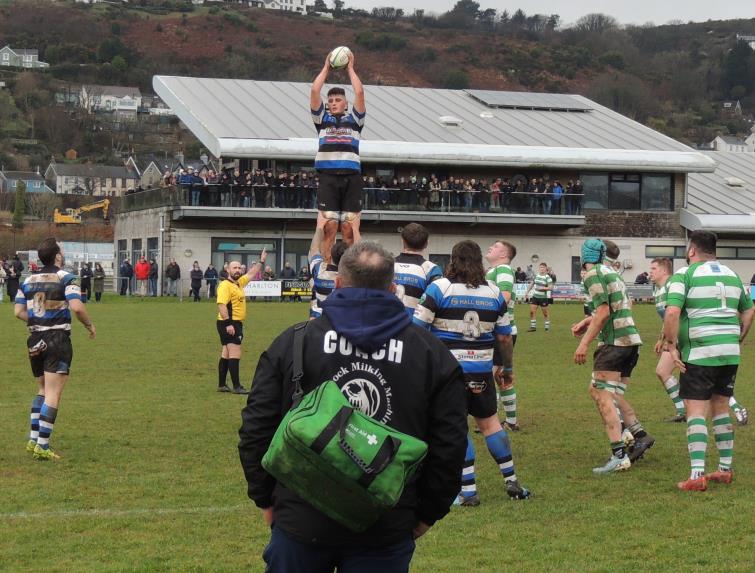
(337, 251)
(415, 236)
(665, 263)
(366, 264)
(511, 248)
(704, 241)
(47, 250)
(336, 91)
(612, 249)
(466, 264)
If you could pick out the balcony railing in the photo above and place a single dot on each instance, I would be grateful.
(374, 199)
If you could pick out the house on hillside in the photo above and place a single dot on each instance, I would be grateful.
(20, 58)
(35, 183)
(749, 39)
(119, 99)
(151, 176)
(89, 179)
(733, 108)
(298, 6)
(728, 143)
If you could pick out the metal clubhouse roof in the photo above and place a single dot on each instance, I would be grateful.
(246, 118)
(724, 200)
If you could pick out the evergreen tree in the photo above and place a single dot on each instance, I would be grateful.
(19, 208)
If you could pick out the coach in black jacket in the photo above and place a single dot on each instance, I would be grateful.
(393, 371)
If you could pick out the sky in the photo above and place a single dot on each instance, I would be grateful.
(626, 12)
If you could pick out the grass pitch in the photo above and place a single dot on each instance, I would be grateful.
(150, 478)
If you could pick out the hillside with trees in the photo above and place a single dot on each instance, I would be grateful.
(673, 77)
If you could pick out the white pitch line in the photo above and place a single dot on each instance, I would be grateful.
(120, 512)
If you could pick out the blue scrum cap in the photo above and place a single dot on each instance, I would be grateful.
(593, 251)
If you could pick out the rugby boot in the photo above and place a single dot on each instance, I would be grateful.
(516, 491)
(30, 445)
(720, 477)
(699, 484)
(44, 455)
(641, 445)
(742, 416)
(467, 501)
(510, 426)
(614, 464)
(677, 418)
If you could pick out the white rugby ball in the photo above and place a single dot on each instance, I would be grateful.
(339, 58)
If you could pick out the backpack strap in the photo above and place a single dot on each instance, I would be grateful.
(298, 369)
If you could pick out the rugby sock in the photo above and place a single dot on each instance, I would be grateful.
(499, 447)
(533, 324)
(734, 404)
(36, 406)
(618, 449)
(468, 484)
(47, 415)
(637, 430)
(222, 371)
(508, 397)
(724, 434)
(233, 368)
(697, 442)
(547, 325)
(672, 389)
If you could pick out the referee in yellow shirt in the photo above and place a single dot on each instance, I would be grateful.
(231, 315)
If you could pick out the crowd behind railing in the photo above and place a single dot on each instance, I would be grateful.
(266, 189)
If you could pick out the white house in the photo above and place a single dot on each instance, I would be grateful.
(729, 143)
(96, 98)
(88, 179)
(298, 6)
(20, 58)
(745, 38)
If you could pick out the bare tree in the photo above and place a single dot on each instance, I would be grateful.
(42, 205)
(596, 22)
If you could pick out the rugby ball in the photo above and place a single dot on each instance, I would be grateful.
(339, 58)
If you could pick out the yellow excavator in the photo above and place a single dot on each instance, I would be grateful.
(73, 216)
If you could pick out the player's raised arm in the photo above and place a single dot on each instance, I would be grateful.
(314, 247)
(357, 86)
(315, 96)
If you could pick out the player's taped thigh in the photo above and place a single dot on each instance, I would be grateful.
(600, 384)
(331, 215)
(349, 216)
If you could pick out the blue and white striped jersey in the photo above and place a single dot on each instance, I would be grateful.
(466, 320)
(323, 283)
(412, 273)
(338, 150)
(46, 296)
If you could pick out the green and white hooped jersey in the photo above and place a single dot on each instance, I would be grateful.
(503, 277)
(710, 296)
(604, 286)
(660, 293)
(542, 283)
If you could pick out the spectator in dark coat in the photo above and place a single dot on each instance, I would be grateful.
(211, 276)
(86, 275)
(98, 281)
(153, 274)
(173, 272)
(196, 276)
(13, 271)
(126, 271)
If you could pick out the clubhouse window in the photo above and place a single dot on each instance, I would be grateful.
(628, 191)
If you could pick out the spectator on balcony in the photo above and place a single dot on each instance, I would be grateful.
(495, 195)
(468, 188)
(383, 198)
(246, 193)
(578, 195)
(507, 197)
(483, 193)
(308, 192)
(423, 193)
(434, 191)
(196, 183)
(547, 198)
(557, 197)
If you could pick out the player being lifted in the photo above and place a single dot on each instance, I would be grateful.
(469, 315)
(618, 348)
(499, 257)
(540, 293)
(339, 196)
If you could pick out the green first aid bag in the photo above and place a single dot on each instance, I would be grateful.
(341, 461)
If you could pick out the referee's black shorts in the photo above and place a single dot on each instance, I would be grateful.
(238, 332)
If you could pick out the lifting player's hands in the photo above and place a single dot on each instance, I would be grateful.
(658, 348)
(580, 354)
(501, 377)
(352, 59)
(674, 351)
